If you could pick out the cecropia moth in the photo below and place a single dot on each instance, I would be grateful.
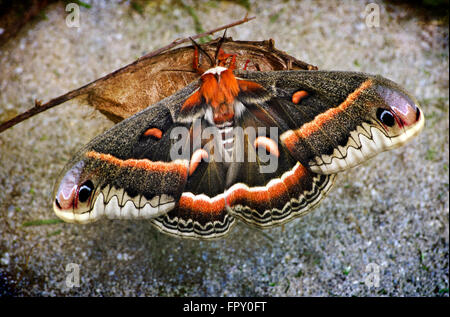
(261, 147)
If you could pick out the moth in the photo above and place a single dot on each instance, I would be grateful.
(255, 146)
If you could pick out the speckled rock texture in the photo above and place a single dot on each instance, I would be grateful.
(391, 213)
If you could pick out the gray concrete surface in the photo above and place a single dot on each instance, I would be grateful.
(393, 211)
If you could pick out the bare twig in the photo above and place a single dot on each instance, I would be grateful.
(40, 107)
(187, 39)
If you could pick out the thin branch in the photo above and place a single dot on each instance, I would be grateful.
(187, 39)
(39, 107)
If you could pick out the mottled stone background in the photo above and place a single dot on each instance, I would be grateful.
(393, 211)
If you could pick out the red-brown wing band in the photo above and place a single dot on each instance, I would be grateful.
(327, 128)
(137, 177)
(197, 216)
(292, 195)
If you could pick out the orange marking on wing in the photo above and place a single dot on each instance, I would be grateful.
(268, 144)
(235, 196)
(155, 132)
(259, 196)
(278, 191)
(186, 202)
(309, 128)
(244, 196)
(299, 95)
(196, 158)
(290, 139)
(162, 167)
(193, 204)
(246, 85)
(293, 180)
(323, 118)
